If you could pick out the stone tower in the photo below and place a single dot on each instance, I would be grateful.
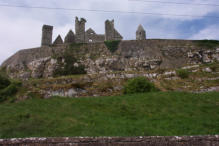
(80, 30)
(110, 32)
(140, 33)
(46, 35)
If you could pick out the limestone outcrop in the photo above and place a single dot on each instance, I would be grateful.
(136, 56)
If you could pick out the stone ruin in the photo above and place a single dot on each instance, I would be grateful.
(46, 35)
(88, 36)
(140, 33)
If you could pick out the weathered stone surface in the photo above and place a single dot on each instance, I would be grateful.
(207, 69)
(73, 92)
(92, 37)
(46, 35)
(58, 40)
(80, 30)
(38, 67)
(117, 141)
(110, 32)
(140, 33)
(143, 55)
(70, 37)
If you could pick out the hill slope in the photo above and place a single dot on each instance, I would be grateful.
(169, 113)
(132, 55)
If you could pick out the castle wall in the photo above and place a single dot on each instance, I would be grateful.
(94, 38)
(117, 141)
(133, 55)
(46, 35)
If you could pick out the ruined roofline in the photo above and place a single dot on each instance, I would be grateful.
(90, 36)
(80, 35)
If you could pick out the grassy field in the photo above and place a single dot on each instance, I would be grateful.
(160, 113)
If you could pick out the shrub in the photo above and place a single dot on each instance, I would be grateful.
(68, 68)
(8, 92)
(70, 57)
(138, 85)
(112, 45)
(4, 82)
(182, 73)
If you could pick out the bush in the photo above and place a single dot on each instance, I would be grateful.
(4, 82)
(112, 45)
(68, 68)
(8, 92)
(138, 85)
(182, 73)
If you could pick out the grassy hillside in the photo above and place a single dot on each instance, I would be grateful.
(161, 113)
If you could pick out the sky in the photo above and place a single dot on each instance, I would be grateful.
(20, 28)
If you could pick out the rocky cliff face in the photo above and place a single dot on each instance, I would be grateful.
(137, 56)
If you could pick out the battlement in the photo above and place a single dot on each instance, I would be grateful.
(84, 36)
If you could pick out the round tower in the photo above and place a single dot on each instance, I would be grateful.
(140, 33)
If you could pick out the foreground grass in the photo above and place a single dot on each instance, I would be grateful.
(160, 113)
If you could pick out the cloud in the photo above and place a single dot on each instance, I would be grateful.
(18, 34)
(211, 33)
(21, 27)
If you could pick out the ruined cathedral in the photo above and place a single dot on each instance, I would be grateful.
(88, 36)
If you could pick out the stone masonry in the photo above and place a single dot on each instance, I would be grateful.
(70, 37)
(110, 32)
(81, 36)
(133, 55)
(140, 33)
(91, 36)
(80, 30)
(46, 35)
(58, 40)
(116, 141)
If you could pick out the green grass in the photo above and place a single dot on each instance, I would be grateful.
(161, 113)
(210, 44)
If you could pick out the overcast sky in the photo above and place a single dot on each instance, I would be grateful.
(20, 28)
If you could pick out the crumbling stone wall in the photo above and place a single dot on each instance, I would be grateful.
(46, 35)
(80, 35)
(92, 37)
(110, 32)
(116, 141)
(135, 55)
